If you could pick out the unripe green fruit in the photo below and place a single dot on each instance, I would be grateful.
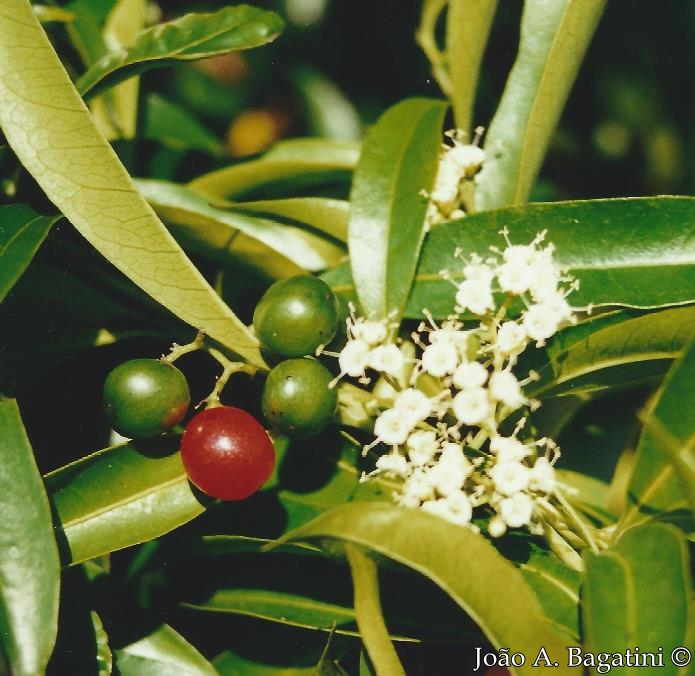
(296, 315)
(145, 397)
(297, 398)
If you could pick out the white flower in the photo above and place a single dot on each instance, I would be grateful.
(505, 388)
(416, 489)
(478, 271)
(466, 157)
(391, 427)
(508, 449)
(516, 510)
(515, 278)
(542, 320)
(475, 295)
(387, 359)
(453, 336)
(520, 254)
(470, 375)
(543, 476)
(440, 359)
(510, 477)
(422, 446)
(446, 184)
(460, 506)
(413, 404)
(393, 463)
(511, 339)
(452, 458)
(497, 527)
(354, 358)
(472, 406)
(446, 478)
(369, 331)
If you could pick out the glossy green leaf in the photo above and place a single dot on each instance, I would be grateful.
(591, 495)
(387, 209)
(468, 25)
(370, 620)
(231, 664)
(53, 134)
(603, 354)
(296, 162)
(469, 569)
(163, 653)
(192, 37)
(557, 588)
(636, 594)
(22, 231)
(554, 37)
(663, 478)
(119, 497)
(212, 231)
(174, 126)
(293, 609)
(326, 215)
(294, 584)
(85, 30)
(634, 252)
(29, 563)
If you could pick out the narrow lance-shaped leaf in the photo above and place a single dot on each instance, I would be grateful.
(606, 353)
(193, 36)
(636, 252)
(468, 26)
(663, 479)
(119, 497)
(554, 37)
(212, 231)
(463, 563)
(29, 564)
(387, 207)
(297, 162)
(52, 133)
(636, 595)
(21, 233)
(164, 651)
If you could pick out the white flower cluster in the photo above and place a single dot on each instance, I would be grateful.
(458, 165)
(441, 412)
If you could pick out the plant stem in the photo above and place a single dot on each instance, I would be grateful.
(370, 620)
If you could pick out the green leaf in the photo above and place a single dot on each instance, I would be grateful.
(212, 231)
(370, 620)
(387, 209)
(193, 36)
(555, 34)
(174, 126)
(591, 495)
(297, 162)
(119, 497)
(22, 231)
(468, 27)
(163, 653)
(52, 133)
(29, 563)
(293, 609)
(469, 569)
(663, 478)
(603, 354)
(46, 14)
(557, 589)
(636, 594)
(635, 252)
(326, 215)
(231, 664)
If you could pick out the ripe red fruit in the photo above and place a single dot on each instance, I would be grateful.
(226, 453)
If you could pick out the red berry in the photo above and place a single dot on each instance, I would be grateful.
(226, 453)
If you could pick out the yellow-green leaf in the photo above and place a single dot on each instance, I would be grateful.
(193, 36)
(53, 134)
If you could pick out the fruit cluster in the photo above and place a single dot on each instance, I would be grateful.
(294, 319)
(226, 452)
